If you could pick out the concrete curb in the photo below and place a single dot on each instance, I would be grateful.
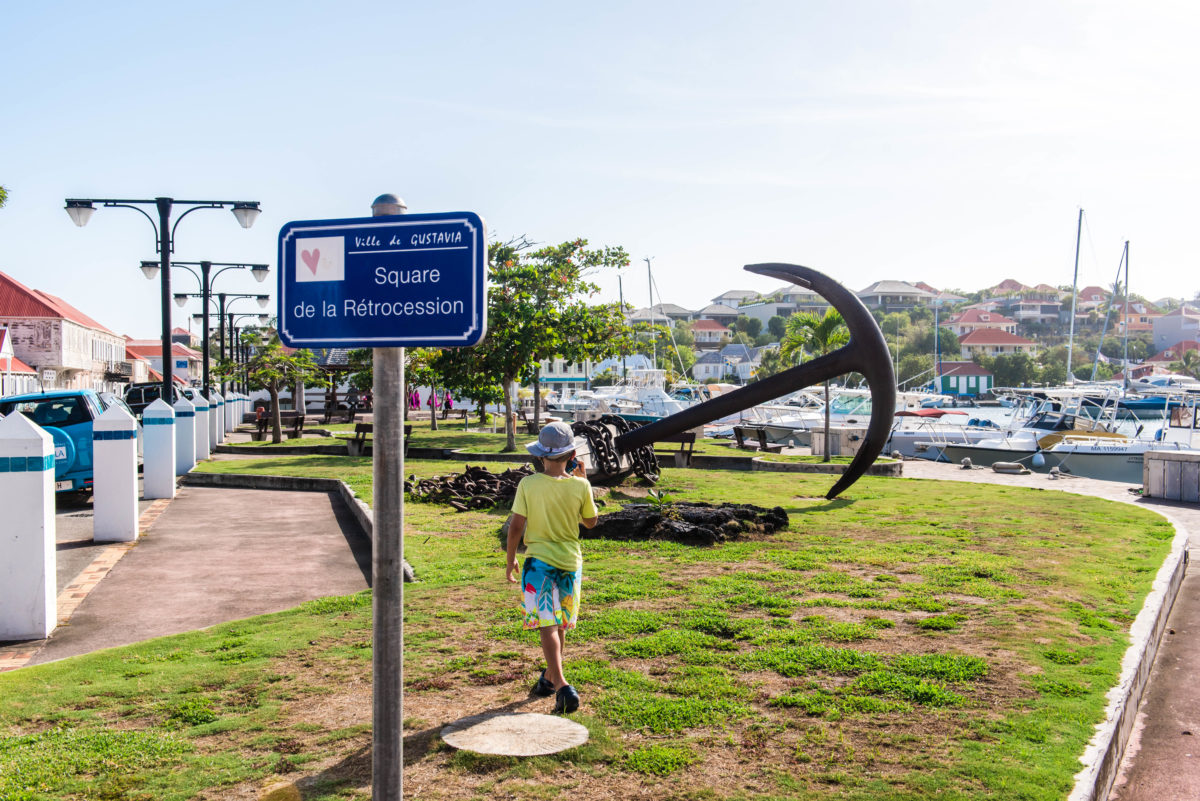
(758, 463)
(1103, 755)
(361, 512)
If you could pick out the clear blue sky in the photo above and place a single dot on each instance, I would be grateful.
(951, 142)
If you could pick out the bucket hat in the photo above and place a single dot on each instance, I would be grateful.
(555, 440)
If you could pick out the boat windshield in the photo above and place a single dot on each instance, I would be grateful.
(851, 404)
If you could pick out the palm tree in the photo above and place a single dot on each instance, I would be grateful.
(1188, 364)
(815, 335)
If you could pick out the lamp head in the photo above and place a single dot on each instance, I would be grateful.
(259, 271)
(388, 204)
(181, 300)
(150, 269)
(80, 211)
(246, 213)
(263, 300)
(264, 319)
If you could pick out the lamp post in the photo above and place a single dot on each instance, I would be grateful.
(181, 299)
(246, 212)
(206, 278)
(236, 347)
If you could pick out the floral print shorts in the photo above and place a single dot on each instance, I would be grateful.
(550, 595)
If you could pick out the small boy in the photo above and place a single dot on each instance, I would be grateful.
(547, 511)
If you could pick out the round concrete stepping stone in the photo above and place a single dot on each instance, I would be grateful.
(514, 735)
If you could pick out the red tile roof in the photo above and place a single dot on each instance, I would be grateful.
(17, 366)
(708, 325)
(1175, 352)
(972, 315)
(963, 368)
(18, 300)
(992, 336)
(1009, 285)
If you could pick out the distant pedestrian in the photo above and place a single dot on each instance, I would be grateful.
(352, 404)
(368, 399)
(447, 405)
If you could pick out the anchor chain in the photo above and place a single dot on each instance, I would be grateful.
(601, 436)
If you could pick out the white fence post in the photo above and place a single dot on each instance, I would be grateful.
(231, 412)
(114, 461)
(185, 436)
(201, 429)
(158, 450)
(214, 420)
(28, 566)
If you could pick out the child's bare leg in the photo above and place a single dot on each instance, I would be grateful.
(552, 648)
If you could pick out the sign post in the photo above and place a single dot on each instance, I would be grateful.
(387, 282)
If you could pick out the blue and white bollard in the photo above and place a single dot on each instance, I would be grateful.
(185, 436)
(28, 565)
(158, 450)
(215, 426)
(231, 412)
(114, 460)
(201, 429)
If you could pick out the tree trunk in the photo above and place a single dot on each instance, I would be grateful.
(276, 418)
(298, 398)
(433, 410)
(510, 443)
(537, 398)
(827, 448)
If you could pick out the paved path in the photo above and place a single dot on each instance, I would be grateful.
(215, 555)
(1162, 758)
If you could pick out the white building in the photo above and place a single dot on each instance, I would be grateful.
(736, 298)
(68, 349)
(16, 377)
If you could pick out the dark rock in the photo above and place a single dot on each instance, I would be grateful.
(687, 523)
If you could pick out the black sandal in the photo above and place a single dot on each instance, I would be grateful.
(566, 700)
(544, 687)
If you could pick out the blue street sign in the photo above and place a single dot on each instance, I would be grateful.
(413, 280)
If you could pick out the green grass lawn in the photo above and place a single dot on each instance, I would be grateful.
(910, 640)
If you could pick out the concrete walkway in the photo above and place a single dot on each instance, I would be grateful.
(216, 555)
(1162, 758)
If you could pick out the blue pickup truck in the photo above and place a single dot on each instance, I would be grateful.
(67, 416)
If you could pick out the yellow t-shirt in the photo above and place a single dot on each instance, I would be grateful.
(553, 508)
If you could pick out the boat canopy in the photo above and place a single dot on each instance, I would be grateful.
(928, 412)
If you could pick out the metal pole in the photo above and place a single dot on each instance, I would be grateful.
(653, 336)
(1074, 293)
(206, 295)
(164, 250)
(387, 564)
(621, 295)
(221, 320)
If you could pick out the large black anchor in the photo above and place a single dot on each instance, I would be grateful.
(866, 353)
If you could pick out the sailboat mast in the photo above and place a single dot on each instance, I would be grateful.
(1074, 294)
(653, 336)
(1125, 356)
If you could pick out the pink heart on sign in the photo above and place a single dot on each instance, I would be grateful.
(312, 258)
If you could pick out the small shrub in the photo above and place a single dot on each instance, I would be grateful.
(194, 711)
(659, 760)
(908, 688)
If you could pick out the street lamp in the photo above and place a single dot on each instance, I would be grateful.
(223, 299)
(81, 209)
(236, 346)
(206, 279)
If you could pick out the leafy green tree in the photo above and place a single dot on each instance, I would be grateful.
(537, 310)
(683, 333)
(914, 368)
(753, 327)
(777, 326)
(770, 363)
(273, 367)
(3, 196)
(464, 373)
(1013, 370)
(815, 336)
(742, 338)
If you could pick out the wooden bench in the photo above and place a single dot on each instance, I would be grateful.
(744, 433)
(687, 441)
(292, 423)
(357, 445)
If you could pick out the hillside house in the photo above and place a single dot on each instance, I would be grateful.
(964, 378)
(974, 319)
(736, 297)
(1176, 326)
(890, 296)
(710, 334)
(993, 342)
(719, 313)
